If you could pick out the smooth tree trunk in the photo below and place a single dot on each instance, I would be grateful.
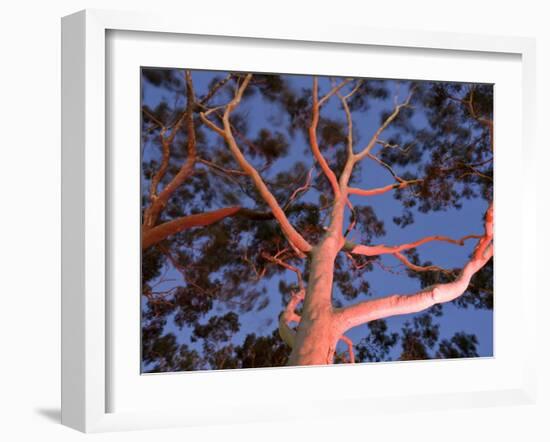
(317, 332)
(320, 325)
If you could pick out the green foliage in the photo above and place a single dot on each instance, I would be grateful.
(419, 338)
(220, 269)
(461, 345)
(376, 346)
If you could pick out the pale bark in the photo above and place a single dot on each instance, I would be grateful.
(293, 236)
(417, 268)
(151, 232)
(317, 334)
(402, 304)
(366, 150)
(290, 316)
(315, 145)
(159, 201)
(162, 231)
(381, 190)
(153, 235)
(320, 326)
(349, 344)
(381, 249)
(318, 331)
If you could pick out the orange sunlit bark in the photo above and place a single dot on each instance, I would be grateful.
(381, 190)
(159, 201)
(382, 249)
(293, 236)
(162, 231)
(401, 304)
(314, 332)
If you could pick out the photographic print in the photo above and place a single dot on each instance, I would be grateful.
(294, 220)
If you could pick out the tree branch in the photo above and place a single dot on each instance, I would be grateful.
(469, 103)
(276, 260)
(385, 166)
(220, 168)
(349, 344)
(418, 268)
(383, 127)
(294, 237)
(304, 188)
(333, 91)
(153, 118)
(289, 315)
(159, 175)
(313, 139)
(382, 249)
(158, 202)
(380, 190)
(344, 101)
(160, 232)
(402, 304)
(215, 89)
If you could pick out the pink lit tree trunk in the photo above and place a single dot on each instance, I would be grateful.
(314, 332)
(317, 334)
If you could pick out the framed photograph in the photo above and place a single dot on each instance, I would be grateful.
(250, 214)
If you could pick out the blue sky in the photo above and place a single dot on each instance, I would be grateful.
(452, 222)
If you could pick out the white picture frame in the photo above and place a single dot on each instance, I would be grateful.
(86, 312)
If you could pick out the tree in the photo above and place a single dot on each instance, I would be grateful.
(232, 203)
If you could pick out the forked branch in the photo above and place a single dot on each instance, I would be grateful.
(349, 344)
(366, 150)
(402, 304)
(383, 249)
(329, 173)
(160, 232)
(297, 241)
(288, 316)
(418, 268)
(158, 202)
(384, 189)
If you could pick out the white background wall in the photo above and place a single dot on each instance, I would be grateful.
(30, 216)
